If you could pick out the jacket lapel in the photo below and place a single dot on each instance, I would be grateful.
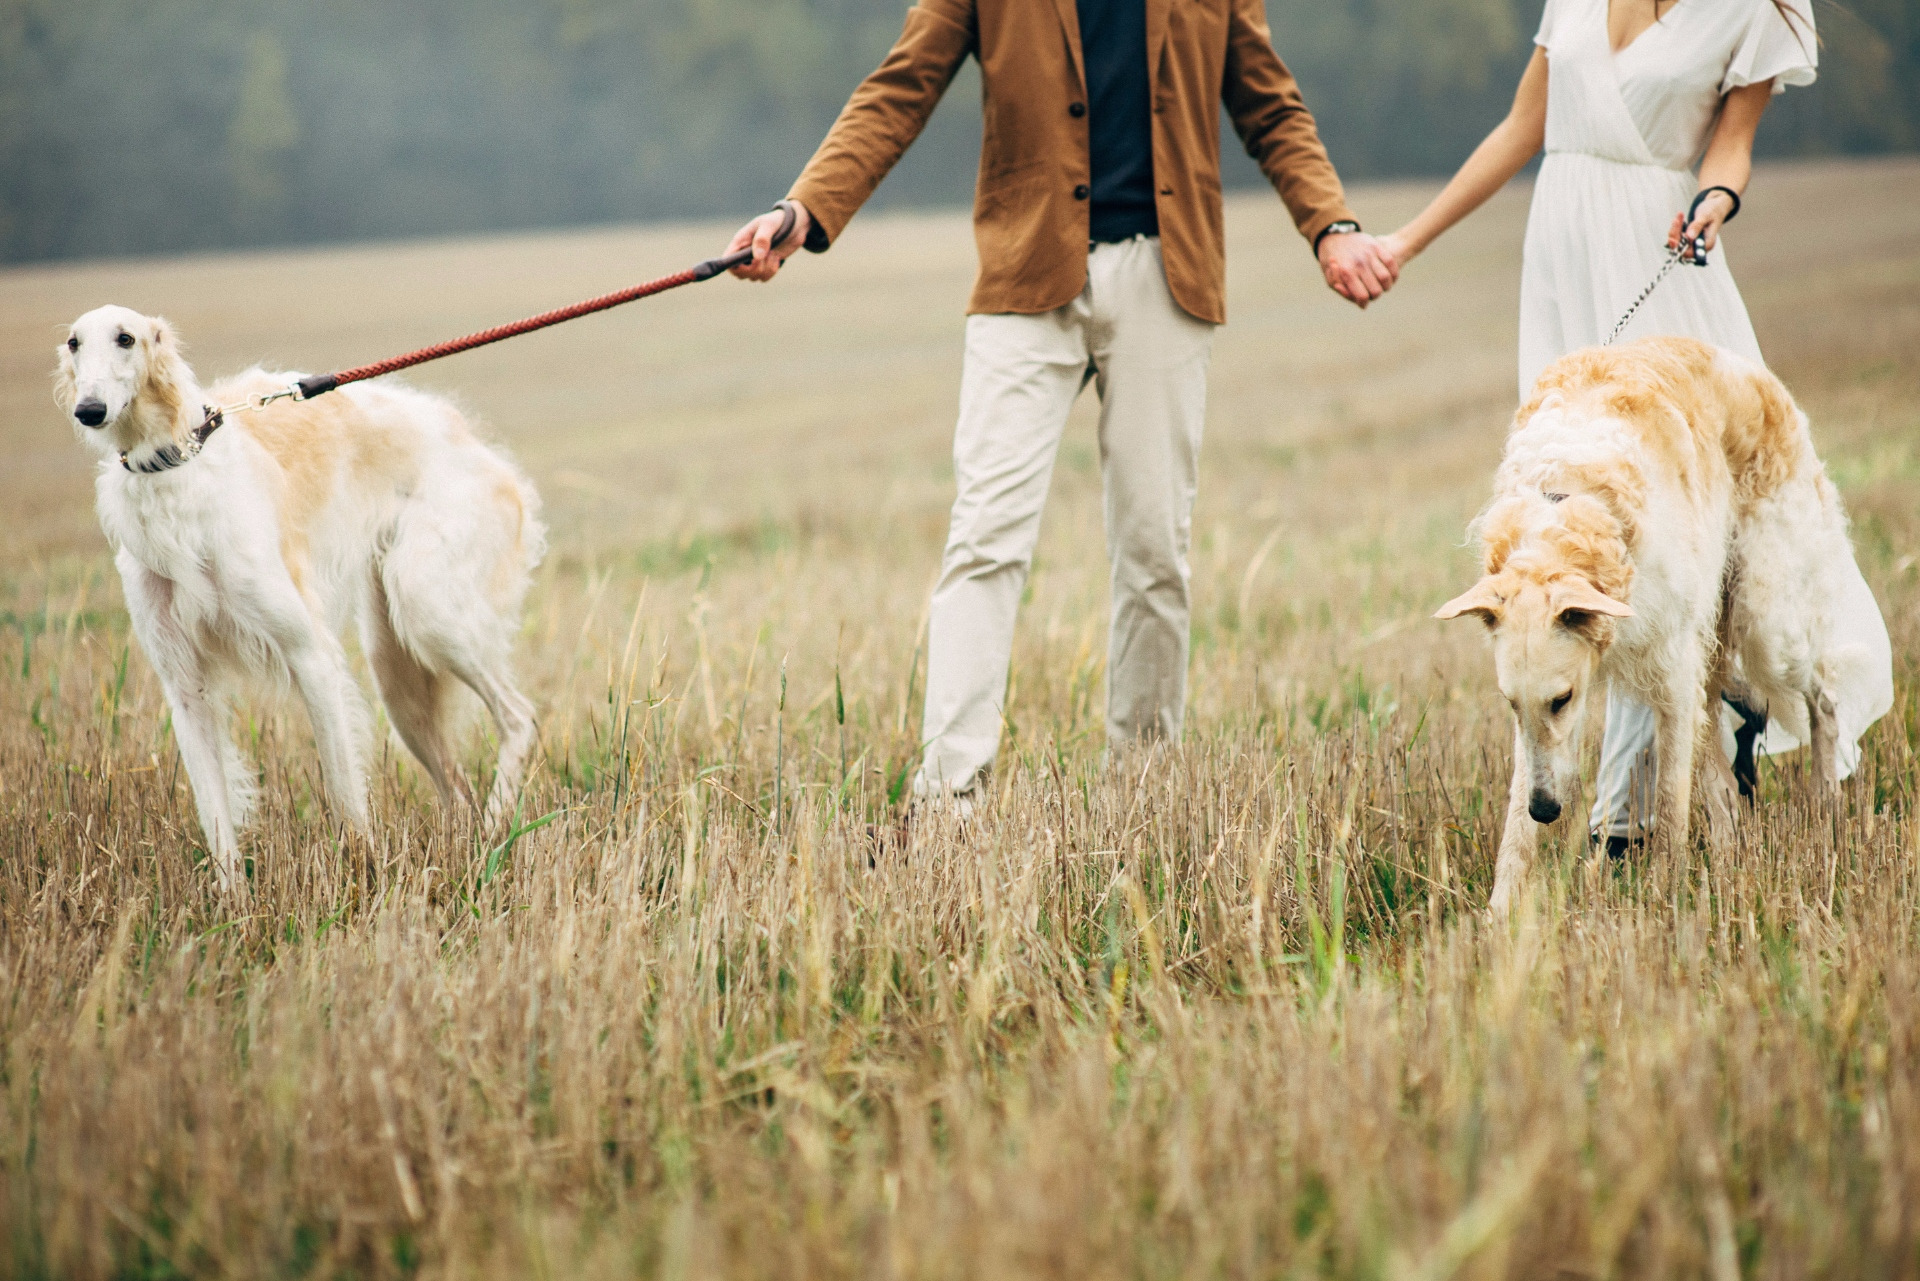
(1070, 19)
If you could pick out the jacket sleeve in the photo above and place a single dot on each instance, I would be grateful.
(1273, 121)
(884, 115)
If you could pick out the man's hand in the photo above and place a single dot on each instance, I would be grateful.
(760, 233)
(1357, 266)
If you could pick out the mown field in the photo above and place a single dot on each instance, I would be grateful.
(1232, 1010)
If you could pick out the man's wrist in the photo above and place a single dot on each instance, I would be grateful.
(1340, 227)
(816, 240)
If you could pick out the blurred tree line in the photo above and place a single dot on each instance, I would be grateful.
(134, 126)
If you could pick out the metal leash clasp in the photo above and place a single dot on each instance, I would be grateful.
(285, 393)
(262, 401)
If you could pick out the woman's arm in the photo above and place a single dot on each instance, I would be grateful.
(1729, 163)
(1501, 155)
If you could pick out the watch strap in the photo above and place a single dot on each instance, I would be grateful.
(1341, 227)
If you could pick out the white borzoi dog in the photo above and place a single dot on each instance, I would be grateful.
(245, 551)
(1660, 519)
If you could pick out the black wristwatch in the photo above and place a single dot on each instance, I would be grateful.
(1345, 227)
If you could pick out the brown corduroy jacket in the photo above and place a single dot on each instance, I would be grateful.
(1030, 203)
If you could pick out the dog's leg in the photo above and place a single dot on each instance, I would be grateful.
(1518, 839)
(480, 662)
(415, 698)
(1719, 789)
(1824, 749)
(1678, 713)
(197, 728)
(320, 673)
(198, 719)
(512, 712)
(326, 686)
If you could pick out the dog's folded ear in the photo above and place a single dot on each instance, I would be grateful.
(1578, 606)
(1481, 599)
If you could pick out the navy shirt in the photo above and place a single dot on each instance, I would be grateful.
(1113, 43)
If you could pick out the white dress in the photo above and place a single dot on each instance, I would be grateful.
(1623, 132)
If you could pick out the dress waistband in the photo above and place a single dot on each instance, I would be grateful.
(1615, 160)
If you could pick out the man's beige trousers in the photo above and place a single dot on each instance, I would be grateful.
(1148, 360)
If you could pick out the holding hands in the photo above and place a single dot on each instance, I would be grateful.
(1358, 267)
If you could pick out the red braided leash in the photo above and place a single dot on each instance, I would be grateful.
(319, 384)
(393, 364)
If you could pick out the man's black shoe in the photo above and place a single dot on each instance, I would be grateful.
(1617, 846)
(1752, 725)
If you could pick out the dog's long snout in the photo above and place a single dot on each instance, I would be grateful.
(91, 411)
(1543, 807)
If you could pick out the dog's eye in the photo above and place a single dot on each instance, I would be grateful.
(1559, 704)
(73, 344)
(125, 340)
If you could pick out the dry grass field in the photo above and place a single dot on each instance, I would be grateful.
(1228, 1011)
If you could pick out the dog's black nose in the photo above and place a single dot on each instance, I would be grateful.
(1543, 807)
(91, 412)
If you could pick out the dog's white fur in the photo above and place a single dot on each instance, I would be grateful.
(1660, 519)
(374, 504)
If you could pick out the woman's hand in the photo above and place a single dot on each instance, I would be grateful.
(1400, 247)
(1704, 230)
(759, 233)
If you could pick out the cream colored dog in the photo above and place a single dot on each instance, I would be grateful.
(248, 555)
(1660, 519)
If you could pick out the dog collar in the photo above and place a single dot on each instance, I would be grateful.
(167, 457)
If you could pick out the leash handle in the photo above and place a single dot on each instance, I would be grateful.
(741, 257)
(320, 384)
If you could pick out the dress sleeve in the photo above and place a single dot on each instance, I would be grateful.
(1776, 46)
(1544, 36)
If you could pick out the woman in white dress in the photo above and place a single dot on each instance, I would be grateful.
(1625, 95)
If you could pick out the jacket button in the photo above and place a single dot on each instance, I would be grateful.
(1082, 191)
(1077, 110)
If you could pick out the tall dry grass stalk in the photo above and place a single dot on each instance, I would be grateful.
(1226, 1009)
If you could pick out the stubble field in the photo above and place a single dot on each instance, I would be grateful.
(1228, 1010)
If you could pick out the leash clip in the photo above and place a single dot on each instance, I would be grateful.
(261, 401)
(285, 393)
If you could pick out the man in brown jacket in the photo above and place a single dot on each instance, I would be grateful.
(1102, 256)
